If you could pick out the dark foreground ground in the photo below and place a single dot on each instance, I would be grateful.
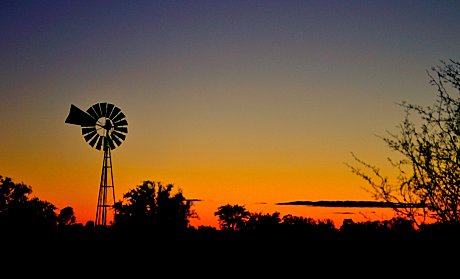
(219, 254)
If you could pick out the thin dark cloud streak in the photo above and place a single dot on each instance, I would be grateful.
(359, 204)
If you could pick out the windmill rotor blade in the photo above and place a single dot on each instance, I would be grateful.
(109, 141)
(119, 117)
(90, 135)
(121, 129)
(104, 109)
(114, 113)
(99, 143)
(92, 112)
(119, 135)
(121, 123)
(98, 110)
(86, 130)
(79, 117)
(109, 110)
(94, 140)
(115, 139)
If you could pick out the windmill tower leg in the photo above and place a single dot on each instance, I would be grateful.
(105, 189)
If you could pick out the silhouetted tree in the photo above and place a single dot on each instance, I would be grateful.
(21, 213)
(428, 180)
(395, 229)
(232, 217)
(298, 221)
(263, 222)
(12, 194)
(66, 216)
(154, 206)
(308, 228)
(41, 212)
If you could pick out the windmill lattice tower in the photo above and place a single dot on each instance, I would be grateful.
(104, 127)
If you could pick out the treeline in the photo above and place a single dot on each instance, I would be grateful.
(151, 214)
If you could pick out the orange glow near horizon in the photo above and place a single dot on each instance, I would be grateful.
(84, 199)
(256, 184)
(206, 209)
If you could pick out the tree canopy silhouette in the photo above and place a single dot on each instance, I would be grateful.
(232, 217)
(428, 142)
(21, 214)
(153, 206)
(66, 216)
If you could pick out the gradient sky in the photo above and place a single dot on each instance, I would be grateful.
(239, 102)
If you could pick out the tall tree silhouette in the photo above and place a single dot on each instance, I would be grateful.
(154, 206)
(232, 217)
(66, 216)
(428, 142)
(21, 213)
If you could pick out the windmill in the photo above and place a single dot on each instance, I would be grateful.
(104, 127)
